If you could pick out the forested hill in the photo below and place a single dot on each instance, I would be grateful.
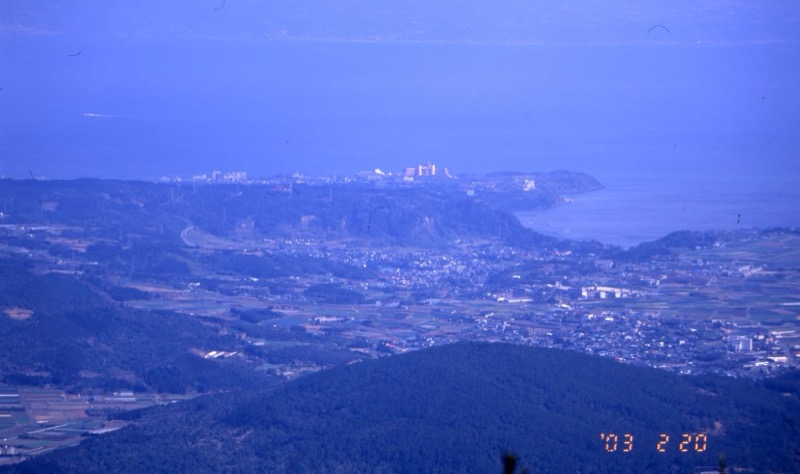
(428, 213)
(457, 408)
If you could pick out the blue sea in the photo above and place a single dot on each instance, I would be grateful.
(632, 210)
(683, 136)
(120, 107)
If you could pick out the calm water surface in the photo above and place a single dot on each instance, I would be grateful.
(630, 211)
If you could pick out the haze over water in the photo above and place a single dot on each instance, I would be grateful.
(151, 89)
(630, 211)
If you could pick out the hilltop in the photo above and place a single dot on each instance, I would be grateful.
(456, 408)
(386, 210)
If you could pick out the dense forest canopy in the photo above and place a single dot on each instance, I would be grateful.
(458, 408)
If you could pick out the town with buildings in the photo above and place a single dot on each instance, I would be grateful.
(728, 307)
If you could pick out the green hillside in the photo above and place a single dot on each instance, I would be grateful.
(75, 337)
(130, 212)
(458, 408)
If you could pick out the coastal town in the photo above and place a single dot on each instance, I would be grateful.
(683, 315)
(722, 303)
(729, 307)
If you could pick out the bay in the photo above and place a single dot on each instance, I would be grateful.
(631, 210)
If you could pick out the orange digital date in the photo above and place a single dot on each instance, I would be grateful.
(613, 442)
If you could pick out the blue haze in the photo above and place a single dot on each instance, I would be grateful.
(150, 89)
(629, 210)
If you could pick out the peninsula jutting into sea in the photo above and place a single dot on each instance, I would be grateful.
(251, 282)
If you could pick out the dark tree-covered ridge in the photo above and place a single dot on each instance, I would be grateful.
(458, 408)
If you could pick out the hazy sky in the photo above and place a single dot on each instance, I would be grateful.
(141, 89)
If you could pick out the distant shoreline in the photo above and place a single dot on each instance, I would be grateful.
(629, 212)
